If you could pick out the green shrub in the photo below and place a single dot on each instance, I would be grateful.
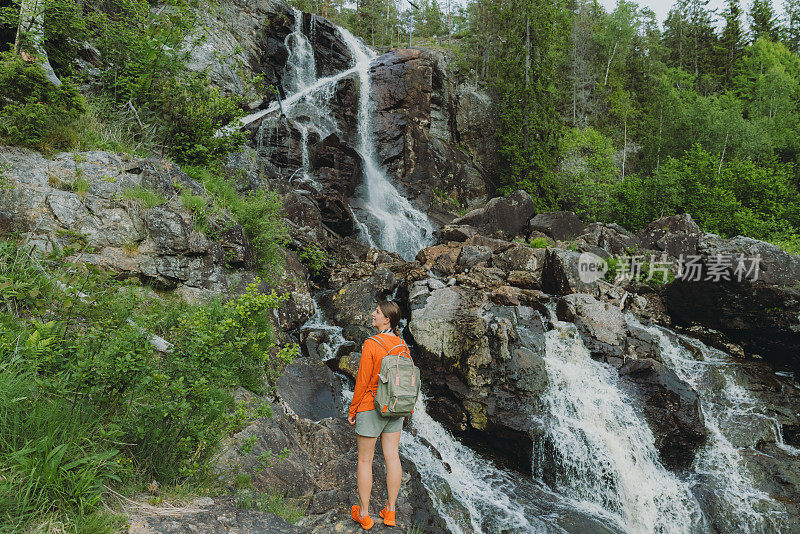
(85, 400)
(34, 112)
(257, 212)
(539, 242)
(313, 257)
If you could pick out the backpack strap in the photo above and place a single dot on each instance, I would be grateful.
(378, 339)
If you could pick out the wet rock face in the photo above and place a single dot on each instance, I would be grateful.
(764, 319)
(417, 131)
(671, 407)
(232, 35)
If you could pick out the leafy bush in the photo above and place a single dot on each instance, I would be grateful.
(312, 257)
(34, 112)
(539, 242)
(87, 402)
(588, 173)
(725, 197)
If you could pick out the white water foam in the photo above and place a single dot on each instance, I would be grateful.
(747, 509)
(604, 451)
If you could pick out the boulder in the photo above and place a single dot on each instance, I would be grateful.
(764, 319)
(306, 385)
(442, 260)
(506, 216)
(484, 372)
(351, 306)
(519, 257)
(472, 255)
(671, 407)
(605, 331)
(458, 233)
(774, 265)
(676, 235)
(560, 225)
(561, 273)
(612, 238)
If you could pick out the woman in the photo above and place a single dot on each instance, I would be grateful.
(369, 423)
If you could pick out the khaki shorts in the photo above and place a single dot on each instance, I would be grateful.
(371, 424)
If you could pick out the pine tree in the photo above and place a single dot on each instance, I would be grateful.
(763, 22)
(732, 41)
(531, 37)
(792, 33)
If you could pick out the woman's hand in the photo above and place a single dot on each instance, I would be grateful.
(351, 420)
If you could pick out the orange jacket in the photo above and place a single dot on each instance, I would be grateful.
(368, 369)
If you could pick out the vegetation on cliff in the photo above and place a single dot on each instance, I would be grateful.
(86, 401)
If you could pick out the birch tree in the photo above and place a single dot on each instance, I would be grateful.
(29, 42)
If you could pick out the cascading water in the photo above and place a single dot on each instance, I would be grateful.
(394, 223)
(719, 465)
(597, 448)
(301, 69)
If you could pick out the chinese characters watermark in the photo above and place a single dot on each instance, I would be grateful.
(689, 267)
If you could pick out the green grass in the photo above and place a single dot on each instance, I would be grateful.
(145, 197)
(80, 186)
(539, 242)
(258, 213)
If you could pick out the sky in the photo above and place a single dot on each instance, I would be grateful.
(662, 7)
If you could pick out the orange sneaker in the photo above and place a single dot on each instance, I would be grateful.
(388, 517)
(366, 522)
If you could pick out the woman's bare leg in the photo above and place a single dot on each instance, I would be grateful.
(366, 451)
(394, 472)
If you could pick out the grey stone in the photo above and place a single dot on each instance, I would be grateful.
(560, 225)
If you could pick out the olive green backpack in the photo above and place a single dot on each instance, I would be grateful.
(398, 382)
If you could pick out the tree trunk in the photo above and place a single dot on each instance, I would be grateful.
(608, 66)
(527, 51)
(29, 42)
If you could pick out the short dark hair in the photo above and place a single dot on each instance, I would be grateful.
(391, 310)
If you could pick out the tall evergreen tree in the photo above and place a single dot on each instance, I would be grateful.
(676, 34)
(763, 22)
(532, 37)
(792, 31)
(732, 41)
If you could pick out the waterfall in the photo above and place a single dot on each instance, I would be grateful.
(599, 450)
(720, 464)
(301, 69)
(393, 222)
